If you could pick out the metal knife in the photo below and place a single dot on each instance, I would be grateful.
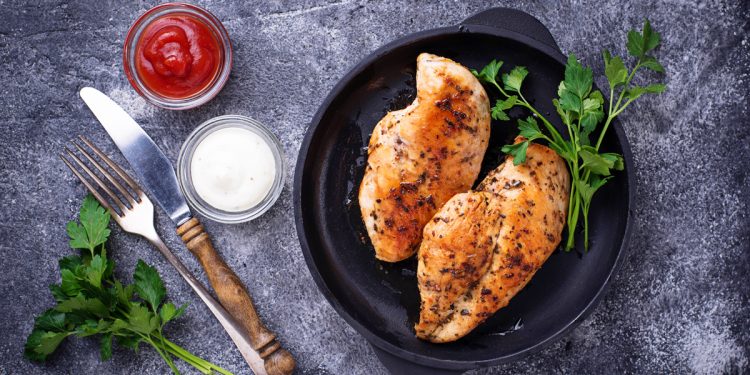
(257, 343)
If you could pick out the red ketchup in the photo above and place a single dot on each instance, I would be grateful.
(177, 56)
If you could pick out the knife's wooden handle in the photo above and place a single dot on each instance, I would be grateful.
(235, 298)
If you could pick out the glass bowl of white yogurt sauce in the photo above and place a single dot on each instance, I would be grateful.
(231, 169)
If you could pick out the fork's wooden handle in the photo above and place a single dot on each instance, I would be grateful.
(235, 298)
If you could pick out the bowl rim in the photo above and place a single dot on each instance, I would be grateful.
(207, 93)
(184, 175)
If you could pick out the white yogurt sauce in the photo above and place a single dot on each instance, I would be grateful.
(232, 169)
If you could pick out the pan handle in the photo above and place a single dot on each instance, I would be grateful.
(516, 21)
(399, 366)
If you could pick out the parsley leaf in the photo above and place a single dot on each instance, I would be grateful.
(514, 79)
(637, 91)
(615, 70)
(586, 190)
(498, 110)
(70, 285)
(142, 320)
(650, 62)
(148, 284)
(639, 44)
(168, 312)
(569, 101)
(129, 341)
(488, 74)
(518, 151)
(578, 79)
(41, 344)
(618, 163)
(92, 327)
(95, 271)
(499, 114)
(105, 350)
(70, 262)
(529, 129)
(594, 162)
(93, 229)
(78, 237)
(593, 111)
(123, 293)
(601, 163)
(51, 320)
(86, 307)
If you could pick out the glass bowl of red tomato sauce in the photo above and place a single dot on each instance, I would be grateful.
(177, 56)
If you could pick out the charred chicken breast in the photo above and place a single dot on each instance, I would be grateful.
(422, 155)
(484, 246)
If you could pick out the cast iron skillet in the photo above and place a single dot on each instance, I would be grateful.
(381, 300)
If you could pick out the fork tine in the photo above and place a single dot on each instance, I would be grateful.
(120, 172)
(124, 192)
(112, 196)
(88, 185)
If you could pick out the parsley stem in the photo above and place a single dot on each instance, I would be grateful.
(585, 226)
(165, 356)
(555, 134)
(572, 223)
(501, 89)
(185, 355)
(617, 110)
(572, 195)
(604, 130)
(192, 359)
(613, 112)
(573, 200)
(570, 130)
(160, 335)
(199, 366)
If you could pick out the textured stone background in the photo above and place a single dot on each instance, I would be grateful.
(680, 303)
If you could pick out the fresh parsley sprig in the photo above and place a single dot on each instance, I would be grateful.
(91, 301)
(581, 110)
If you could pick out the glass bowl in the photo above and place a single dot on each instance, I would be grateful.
(212, 88)
(185, 157)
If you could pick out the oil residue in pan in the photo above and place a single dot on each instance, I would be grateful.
(395, 99)
(398, 278)
(504, 331)
(393, 277)
(401, 279)
(354, 178)
(355, 172)
(403, 99)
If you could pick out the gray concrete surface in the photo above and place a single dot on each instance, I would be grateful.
(680, 303)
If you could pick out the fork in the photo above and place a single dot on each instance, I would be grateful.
(134, 212)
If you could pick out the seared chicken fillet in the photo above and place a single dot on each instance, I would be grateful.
(422, 155)
(483, 246)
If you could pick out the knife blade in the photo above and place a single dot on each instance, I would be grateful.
(152, 166)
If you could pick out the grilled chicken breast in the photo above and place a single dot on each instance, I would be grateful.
(422, 155)
(483, 246)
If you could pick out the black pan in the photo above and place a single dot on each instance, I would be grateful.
(381, 300)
